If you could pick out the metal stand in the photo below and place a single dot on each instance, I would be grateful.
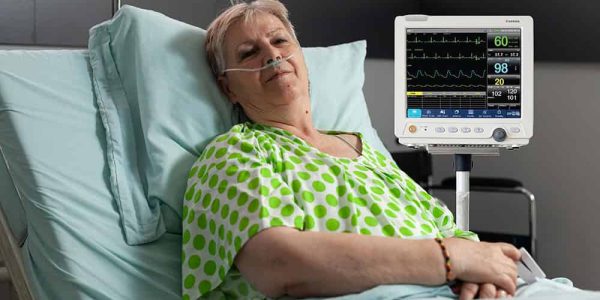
(418, 164)
(462, 166)
(116, 5)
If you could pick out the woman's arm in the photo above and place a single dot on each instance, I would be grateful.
(281, 260)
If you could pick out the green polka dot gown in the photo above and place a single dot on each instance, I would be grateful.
(256, 177)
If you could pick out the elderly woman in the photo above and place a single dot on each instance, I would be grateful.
(282, 208)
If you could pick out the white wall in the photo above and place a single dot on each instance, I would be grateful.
(561, 167)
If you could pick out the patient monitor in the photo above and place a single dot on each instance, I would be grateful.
(464, 84)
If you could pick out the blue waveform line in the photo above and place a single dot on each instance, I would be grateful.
(421, 73)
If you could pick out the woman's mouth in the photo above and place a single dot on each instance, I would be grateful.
(277, 76)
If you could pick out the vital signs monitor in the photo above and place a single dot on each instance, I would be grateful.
(463, 81)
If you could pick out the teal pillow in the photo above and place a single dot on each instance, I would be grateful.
(336, 76)
(160, 106)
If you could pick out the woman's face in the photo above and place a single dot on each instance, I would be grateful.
(252, 45)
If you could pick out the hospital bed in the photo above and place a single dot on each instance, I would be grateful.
(96, 144)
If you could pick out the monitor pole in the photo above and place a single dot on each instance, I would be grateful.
(462, 166)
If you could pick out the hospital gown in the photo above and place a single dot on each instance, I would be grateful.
(255, 177)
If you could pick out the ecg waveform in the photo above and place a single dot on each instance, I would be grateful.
(455, 40)
(460, 69)
(436, 74)
(448, 56)
(449, 62)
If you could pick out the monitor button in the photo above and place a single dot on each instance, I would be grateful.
(452, 129)
(440, 129)
(478, 130)
(412, 128)
(499, 135)
(465, 129)
(515, 129)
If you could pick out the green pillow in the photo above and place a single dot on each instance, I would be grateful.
(160, 106)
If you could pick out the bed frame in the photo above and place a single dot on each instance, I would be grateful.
(13, 270)
(11, 262)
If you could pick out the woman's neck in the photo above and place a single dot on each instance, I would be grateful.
(296, 119)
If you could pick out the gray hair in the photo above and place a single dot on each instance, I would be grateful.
(215, 34)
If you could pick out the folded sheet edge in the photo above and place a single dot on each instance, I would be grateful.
(140, 217)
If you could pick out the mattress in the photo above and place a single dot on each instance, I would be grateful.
(54, 187)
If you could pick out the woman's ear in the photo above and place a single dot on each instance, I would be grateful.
(224, 86)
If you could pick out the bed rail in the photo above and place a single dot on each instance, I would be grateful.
(12, 259)
(10, 251)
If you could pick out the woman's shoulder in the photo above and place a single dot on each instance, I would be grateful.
(240, 132)
(243, 138)
(241, 129)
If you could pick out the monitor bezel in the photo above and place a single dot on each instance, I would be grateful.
(402, 23)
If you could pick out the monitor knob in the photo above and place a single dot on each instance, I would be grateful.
(499, 135)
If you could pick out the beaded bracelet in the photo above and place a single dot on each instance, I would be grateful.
(448, 267)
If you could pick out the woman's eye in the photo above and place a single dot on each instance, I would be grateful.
(247, 54)
(280, 40)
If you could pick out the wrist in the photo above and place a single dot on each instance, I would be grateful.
(449, 271)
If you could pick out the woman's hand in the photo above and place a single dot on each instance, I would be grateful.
(486, 263)
(470, 290)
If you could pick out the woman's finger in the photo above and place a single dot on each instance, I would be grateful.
(500, 293)
(509, 268)
(510, 251)
(507, 283)
(468, 290)
(513, 273)
(487, 290)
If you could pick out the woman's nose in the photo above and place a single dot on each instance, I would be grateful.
(270, 60)
(272, 54)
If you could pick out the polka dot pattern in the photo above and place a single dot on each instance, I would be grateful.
(255, 177)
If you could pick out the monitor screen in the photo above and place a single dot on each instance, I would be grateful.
(463, 73)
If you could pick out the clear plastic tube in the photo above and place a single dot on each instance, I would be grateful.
(272, 64)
